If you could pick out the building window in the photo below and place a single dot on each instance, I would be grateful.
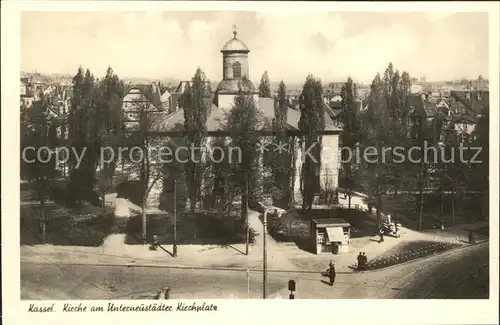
(236, 70)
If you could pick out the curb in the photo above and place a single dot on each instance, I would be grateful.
(423, 257)
(184, 267)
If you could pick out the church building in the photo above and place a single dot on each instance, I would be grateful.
(235, 70)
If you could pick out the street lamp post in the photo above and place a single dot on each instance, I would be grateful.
(175, 219)
(264, 268)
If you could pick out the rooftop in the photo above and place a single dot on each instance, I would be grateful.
(235, 45)
(215, 122)
(232, 86)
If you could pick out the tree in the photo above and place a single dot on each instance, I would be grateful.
(480, 168)
(39, 170)
(84, 135)
(376, 135)
(311, 123)
(280, 161)
(148, 162)
(243, 123)
(284, 171)
(350, 134)
(196, 103)
(386, 126)
(449, 168)
(110, 123)
(265, 86)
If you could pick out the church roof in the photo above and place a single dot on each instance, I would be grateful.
(235, 45)
(232, 86)
(215, 122)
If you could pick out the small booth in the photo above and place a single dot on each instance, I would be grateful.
(331, 236)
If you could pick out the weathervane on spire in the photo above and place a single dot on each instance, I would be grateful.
(235, 31)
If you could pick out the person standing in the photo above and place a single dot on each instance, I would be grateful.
(360, 260)
(364, 260)
(331, 273)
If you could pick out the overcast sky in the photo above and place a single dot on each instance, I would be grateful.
(331, 46)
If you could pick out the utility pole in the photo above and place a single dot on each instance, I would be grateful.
(248, 283)
(175, 219)
(422, 173)
(264, 268)
(247, 233)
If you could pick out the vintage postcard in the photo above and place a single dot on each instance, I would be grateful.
(216, 154)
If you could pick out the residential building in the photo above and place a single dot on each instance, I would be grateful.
(144, 97)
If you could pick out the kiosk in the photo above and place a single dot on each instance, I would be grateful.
(331, 236)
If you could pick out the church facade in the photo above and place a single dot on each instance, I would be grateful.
(235, 70)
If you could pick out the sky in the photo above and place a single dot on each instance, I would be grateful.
(289, 45)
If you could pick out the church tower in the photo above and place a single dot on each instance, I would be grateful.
(234, 69)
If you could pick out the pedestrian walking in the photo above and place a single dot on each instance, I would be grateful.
(381, 234)
(471, 237)
(331, 273)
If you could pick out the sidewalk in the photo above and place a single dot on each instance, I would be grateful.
(275, 257)
(114, 252)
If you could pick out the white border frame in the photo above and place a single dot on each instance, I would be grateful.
(242, 311)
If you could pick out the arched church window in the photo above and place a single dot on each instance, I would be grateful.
(236, 70)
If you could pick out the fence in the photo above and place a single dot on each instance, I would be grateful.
(413, 254)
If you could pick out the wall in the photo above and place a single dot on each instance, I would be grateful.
(226, 101)
(131, 105)
(256, 100)
(329, 161)
(329, 173)
(229, 59)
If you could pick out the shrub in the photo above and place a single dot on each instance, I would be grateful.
(386, 261)
(132, 191)
(71, 196)
(59, 195)
(197, 228)
(64, 228)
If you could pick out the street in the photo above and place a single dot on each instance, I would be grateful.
(50, 281)
(460, 274)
